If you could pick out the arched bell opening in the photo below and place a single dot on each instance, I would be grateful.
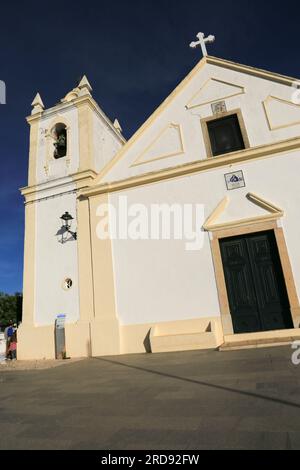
(60, 144)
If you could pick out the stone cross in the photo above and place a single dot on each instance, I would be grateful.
(202, 42)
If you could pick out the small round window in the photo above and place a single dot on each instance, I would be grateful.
(67, 284)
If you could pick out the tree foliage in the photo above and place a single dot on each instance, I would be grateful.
(10, 308)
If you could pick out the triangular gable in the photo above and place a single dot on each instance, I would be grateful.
(149, 121)
(141, 152)
(218, 220)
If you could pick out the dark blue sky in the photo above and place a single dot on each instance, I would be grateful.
(133, 52)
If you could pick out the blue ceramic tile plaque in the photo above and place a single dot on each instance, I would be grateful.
(235, 180)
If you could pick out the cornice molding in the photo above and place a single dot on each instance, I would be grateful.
(243, 156)
(84, 177)
(257, 72)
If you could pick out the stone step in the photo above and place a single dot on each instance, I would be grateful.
(261, 343)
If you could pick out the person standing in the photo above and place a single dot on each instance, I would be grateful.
(8, 332)
(12, 350)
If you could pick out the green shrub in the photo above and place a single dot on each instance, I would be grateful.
(10, 308)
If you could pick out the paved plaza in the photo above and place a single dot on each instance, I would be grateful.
(196, 400)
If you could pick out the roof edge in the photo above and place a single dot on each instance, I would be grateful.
(261, 73)
(150, 119)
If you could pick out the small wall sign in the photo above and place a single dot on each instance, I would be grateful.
(235, 180)
(60, 321)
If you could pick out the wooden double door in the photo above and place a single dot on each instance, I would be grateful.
(255, 283)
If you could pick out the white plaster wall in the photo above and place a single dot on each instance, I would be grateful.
(55, 261)
(158, 281)
(106, 143)
(250, 103)
(61, 167)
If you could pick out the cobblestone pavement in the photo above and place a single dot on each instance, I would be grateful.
(196, 400)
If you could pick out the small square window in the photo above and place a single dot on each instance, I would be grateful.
(225, 135)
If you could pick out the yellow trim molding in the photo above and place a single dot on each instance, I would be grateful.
(268, 206)
(254, 71)
(274, 214)
(81, 179)
(105, 328)
(243, 156)
(216, 213)
(206, 84)
(181, 151)
(29, 270)
(85, 262)
(86, 137)
(267, 101)
(33, 151)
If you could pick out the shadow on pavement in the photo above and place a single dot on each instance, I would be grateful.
(204, 384)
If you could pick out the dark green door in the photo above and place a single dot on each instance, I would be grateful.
(255, 283)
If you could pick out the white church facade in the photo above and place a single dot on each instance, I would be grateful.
(226, 140)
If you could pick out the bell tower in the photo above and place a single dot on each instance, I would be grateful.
(70, 144)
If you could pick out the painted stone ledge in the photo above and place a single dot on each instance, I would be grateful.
(188, 335)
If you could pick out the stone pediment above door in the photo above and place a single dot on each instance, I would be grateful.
(221, 219)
